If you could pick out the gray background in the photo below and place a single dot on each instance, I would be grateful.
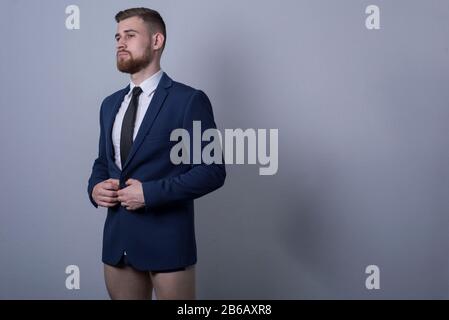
(363, 145)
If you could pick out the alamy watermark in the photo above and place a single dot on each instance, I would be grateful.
(258, 150)
(372, 282)
(72, 282)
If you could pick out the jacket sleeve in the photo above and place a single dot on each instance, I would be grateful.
(201, 178)
(100, 166)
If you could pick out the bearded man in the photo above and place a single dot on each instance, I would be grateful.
(149, 237)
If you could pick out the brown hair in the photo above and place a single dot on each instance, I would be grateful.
(151, 17)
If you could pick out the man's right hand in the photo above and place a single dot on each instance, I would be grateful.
(105, 193)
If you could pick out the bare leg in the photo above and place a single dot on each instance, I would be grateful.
(127, 283)
(178, 285)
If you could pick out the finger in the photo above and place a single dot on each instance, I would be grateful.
(105, 204)
(116, 182)
(108, 193)
(107, 199)
(115, 185)
(110, 180)
(131, 181)
(110, 186)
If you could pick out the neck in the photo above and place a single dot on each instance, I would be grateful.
(138, 77)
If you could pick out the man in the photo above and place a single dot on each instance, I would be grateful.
(148, 237)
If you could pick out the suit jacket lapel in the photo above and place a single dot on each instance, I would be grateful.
(153, 109)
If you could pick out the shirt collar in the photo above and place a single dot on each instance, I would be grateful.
(148, 85)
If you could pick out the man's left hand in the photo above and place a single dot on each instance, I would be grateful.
(132, 197)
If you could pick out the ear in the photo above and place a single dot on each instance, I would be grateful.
(158, 40)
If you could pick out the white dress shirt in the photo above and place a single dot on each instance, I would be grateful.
(148, 87)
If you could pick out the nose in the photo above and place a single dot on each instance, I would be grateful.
(120, 44)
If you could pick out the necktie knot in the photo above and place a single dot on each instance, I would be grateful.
(137, 91)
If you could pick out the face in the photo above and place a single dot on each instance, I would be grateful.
(134, 49)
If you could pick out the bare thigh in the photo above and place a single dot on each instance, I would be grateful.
(127, 283)
(178, 285)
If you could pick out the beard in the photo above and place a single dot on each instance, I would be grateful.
(131, 65)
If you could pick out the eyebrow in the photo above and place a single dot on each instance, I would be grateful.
(126, 31)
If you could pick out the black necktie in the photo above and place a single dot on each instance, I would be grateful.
(126, 136)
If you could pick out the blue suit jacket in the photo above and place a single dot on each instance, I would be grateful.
(161, 235)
